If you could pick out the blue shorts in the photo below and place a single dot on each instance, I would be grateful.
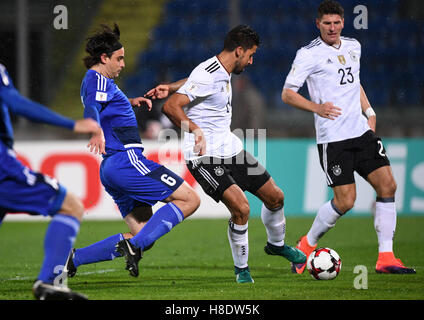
(130, 178)
(23, 190)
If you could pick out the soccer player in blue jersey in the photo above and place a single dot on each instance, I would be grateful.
(23, 190)
(134, 182)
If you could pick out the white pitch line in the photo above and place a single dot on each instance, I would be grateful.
(18, 278)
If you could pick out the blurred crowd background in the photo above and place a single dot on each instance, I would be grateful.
(166, 39)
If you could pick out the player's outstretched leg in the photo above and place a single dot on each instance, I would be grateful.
(184, 202)
(105, 250)
(326, 218)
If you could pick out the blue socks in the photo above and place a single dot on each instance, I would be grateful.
(100, 251)
(159, 224)
(166, 218)
(58, 242)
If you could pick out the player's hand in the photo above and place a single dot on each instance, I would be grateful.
(97, 143)
(328, 110)
(159, 92)
(137, 102)
(372, 122)
(200, 142)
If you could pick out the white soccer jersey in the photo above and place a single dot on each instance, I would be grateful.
(209, 90)
(332, 75)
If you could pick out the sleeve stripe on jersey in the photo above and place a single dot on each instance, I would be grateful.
(348, 39)
(216, 68)
(101, 82)
(211, 66)
(313, 43)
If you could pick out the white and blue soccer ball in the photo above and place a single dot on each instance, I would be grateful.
(324, 264)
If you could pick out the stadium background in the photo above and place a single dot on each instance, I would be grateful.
(165, 40)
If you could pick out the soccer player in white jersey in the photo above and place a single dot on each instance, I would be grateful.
(345, 138)
(201, 105)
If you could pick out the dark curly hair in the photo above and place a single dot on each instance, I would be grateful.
(330, 7)
(104, 41)
(241, 36)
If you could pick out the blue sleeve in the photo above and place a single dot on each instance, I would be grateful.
(33, 110)
(91, 106)
(92, 111)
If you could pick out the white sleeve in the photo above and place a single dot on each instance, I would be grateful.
(303, 65)
(200, 83)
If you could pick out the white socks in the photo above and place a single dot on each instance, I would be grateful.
(325, 219)
(275, 225)
(385, 223)
(239, 243)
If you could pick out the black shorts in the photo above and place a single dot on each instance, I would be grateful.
(340, 159)
(215, 175)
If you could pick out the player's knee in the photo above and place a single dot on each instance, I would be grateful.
(73, 206)
(241, 211)
(194, 201)
(187, 200)
(276, 201)
(390, 188)
(346, 204)
(386, 189)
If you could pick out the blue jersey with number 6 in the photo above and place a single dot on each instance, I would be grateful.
(126, 174)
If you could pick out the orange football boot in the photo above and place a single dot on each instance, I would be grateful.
(387, 263)
(307, 249)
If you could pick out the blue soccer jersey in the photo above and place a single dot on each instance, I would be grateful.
(125, 173)
(21, 189)
(105, 102)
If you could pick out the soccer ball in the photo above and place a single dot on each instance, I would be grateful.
(324, 264)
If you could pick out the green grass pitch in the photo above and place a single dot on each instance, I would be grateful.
(193, 262)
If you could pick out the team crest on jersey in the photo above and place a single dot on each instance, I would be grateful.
(353, 56)
(342, 59)
(219, 171)
(337, 170)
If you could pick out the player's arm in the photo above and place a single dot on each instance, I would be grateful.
(303, 66)
(31, 110)
(34, 111)
(325, 110)
(96, 143)
(368, 110)
(165, 90)
(173, 109)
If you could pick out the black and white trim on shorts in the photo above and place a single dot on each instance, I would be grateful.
(207, 176)
(325, 164)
